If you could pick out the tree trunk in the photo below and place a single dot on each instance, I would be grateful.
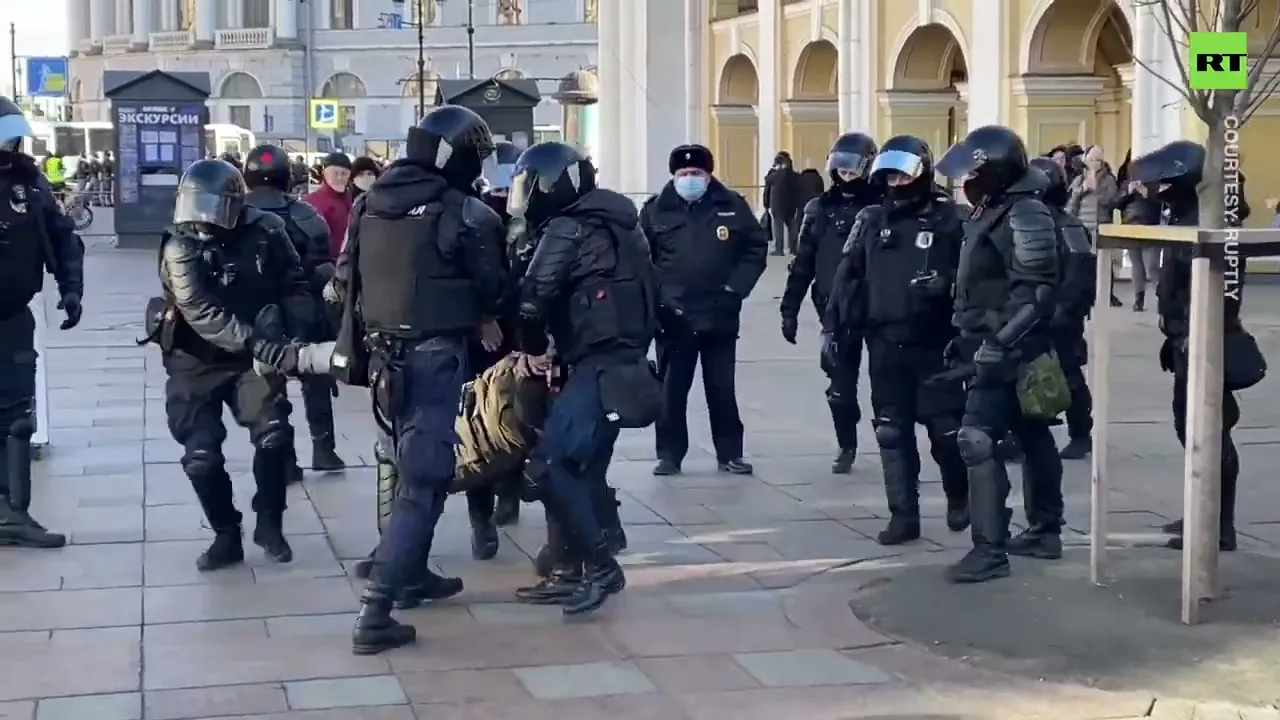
(1212, 204)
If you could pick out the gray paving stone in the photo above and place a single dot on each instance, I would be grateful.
(24, 710)
(124, 706)
(809, 668)
(552, 682)
(215, 701)
(346, 692)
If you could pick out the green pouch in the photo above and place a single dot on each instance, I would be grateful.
(1042, 388)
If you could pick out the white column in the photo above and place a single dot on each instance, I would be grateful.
(77, 22)
(695, 73)
(608, 155)
(767, 68)
(235, 14)
(848, 42)
(206, 25)
(286, 20)
(100, 19)
(987, 59)
(631, 123)
(142, 23)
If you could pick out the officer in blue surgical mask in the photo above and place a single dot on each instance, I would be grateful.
(709, 251)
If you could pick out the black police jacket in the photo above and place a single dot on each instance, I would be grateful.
(308, 231)
(1010, 260)
(422, 258)
(1173, 289)
(590, 285)
(824, 230)
(896, 281)
(709, 255)
(220, 285)
(36, 235)
(1079, 266)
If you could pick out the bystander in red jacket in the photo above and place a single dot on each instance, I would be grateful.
(333, 198)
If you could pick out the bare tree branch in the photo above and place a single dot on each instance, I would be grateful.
(1249, 100)
(1199, 100)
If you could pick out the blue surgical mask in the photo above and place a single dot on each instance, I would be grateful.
(691, 187)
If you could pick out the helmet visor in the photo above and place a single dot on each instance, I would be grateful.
(848, 162)
(898, 161)
(960, 161)
(500, 176)
(198, 206)
(13, 128)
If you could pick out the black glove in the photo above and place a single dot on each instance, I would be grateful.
(990, 361)
(1169, 351)
(790, 326)
(325, 271)
(280, 355)
(70, 304)
(830, 351)
(951, 352)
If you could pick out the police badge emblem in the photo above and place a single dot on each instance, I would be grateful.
(722, 233)
(18, 200)
(924, 239)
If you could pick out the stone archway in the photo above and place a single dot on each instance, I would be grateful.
(240, 86)
(927, 94)
(1077, 78)
(811, 116)
(736, 124)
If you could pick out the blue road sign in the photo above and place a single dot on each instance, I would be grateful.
(324, 114)
(391, 21)
(47, 76)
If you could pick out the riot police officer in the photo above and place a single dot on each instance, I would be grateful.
(34, 235)
(590, 289)
(268, 175)
(425, 257)
(494, 506)
(1075, 301)
(221, 263)
(1176, 170)
(709, 251)
(823, 232)
(894, 289)
(1004, 298)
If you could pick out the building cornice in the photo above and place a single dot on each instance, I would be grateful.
(1059, 85)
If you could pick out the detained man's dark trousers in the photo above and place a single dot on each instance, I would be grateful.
(317, 402)
(719, 357)
(1070, 345)
(194, 398)
(423, 392)
(1230, 456)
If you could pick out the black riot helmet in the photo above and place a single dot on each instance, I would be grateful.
(14, 127)
(454, 141)
(268, 166)
(1056, 191)
(210, 194)
(904, 167)
(549, 177)
(851, 153)
(989, 160)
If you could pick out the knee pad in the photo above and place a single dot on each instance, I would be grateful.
(976, 446)
(22, 428)
(278, 434)
(888, 436)
(202, 463)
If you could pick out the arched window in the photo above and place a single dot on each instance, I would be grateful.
(241, 86)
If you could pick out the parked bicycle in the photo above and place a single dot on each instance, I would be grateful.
(76, 206)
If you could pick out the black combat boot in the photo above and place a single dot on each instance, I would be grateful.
(988, 493)
(901, 466)
(843, 464)
(324, 456)
(375, 629)
(227, 549)
(666, 467)
(506, 510)
(484, 538)
(737, 466)
(601, 577)
(610, 520)
(1139, 301)
(17, 527)
(1039, 543)
(1227, 541)
(557, 587)
(268, 534)
(434, 587)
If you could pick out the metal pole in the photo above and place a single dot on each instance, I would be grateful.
(13, 60)
(422, 60)
(471, 39)
(307, 35)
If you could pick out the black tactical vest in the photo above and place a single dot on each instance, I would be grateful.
(408, 287)
(21, 249)
(836, 222)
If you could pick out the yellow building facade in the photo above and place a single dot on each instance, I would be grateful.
(794, 74)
